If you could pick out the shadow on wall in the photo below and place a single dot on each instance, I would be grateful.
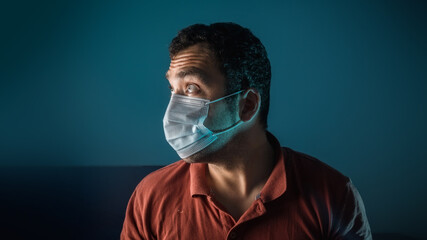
(391, 236)
(74, 202)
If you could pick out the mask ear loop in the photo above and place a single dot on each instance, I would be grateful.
(238, 123)
(235, 125)
(219, 99)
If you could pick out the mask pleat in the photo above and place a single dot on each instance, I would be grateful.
(183, 124)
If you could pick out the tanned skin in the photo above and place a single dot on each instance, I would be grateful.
(241, 160)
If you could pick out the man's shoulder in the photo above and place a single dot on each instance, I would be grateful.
(306, 166)
(165, 177)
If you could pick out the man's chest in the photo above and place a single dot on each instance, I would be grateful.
(203, 220)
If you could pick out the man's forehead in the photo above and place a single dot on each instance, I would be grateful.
(198, 48)
(198, 56)
(190, 71)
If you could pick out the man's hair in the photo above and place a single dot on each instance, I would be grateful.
(241, 57)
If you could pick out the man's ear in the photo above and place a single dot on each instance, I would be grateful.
(250, 104)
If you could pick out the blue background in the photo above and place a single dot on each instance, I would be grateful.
(82, 84)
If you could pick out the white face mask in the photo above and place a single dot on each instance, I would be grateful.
(183, 124)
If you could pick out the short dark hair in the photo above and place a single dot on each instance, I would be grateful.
(241, 56)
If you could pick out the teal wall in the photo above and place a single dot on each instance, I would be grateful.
(82, 83)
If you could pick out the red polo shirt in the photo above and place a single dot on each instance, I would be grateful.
(302, 199)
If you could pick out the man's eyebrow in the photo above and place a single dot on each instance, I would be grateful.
(191, 72)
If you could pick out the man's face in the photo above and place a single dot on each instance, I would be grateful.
(194, 72)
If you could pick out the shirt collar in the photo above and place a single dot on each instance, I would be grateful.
(273, 188)
(198, 183)
(276, 183)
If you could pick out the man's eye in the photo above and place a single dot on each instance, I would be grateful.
(191, 88)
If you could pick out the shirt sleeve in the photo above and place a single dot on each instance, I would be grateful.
(351, 221)
(131, 225)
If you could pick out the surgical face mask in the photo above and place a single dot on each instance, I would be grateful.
(183, 124)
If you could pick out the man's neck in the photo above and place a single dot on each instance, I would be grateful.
(245, 172)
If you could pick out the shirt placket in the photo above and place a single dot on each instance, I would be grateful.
(256, 210)
(235, 229)
(229, 221)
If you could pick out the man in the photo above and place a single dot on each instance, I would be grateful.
(235, 181)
